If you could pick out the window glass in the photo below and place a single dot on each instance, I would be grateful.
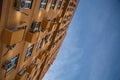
(53, 4)
(43, 4)
(34, 61)
(39, 44)
(22, 72)
(10, 64)
(47, 38)
(1, 1)
(29, 51)
(28, 4)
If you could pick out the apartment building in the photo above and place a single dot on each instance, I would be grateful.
(31, 33)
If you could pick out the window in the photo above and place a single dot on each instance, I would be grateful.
(51, 37)
(1, 7)
(53, 21)
(68, 9)
(43, 29)
(47, 38)
(40, 64)
(71, 4)
(22, 72)
(64, 4)
(64, 22)
(59, 4)
(28, 4)
(60, 37)
(40, 44)
(35, 27)
(55, 43)
(42, 52)
(29, 51)
(60, 31)
(43, 4)
(34, 61)
(11, 64)
(53, 4)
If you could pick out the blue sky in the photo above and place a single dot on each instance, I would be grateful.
(91, 49)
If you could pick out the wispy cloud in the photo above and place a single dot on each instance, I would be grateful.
(66, 62)
(91, 49)
(66, 59)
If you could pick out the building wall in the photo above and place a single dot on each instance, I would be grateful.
(44, 56)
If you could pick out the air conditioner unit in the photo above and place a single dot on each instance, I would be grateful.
(35, 27)
(32, 37)
(12, 36)
(20, 5)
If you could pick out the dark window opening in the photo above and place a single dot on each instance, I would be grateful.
(53, 21)
(53, 4)
(43, 4)
(64, 2)
(34, 61)
(43, 29)
(39, 44)
(35, 73)
(75, 0)
(42, 52)
(29, 51)
(28, 4)
(47, 38)
(22, 72)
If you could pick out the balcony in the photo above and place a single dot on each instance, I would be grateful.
(12, 36)
(45, 24)
(32, 37)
